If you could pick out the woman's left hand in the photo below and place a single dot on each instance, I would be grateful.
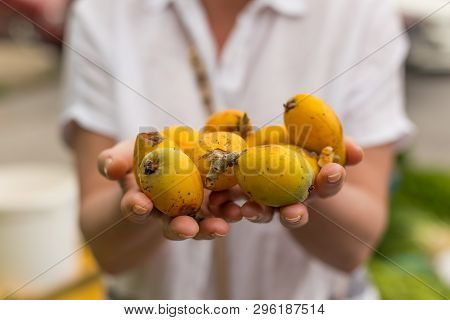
(328, 183)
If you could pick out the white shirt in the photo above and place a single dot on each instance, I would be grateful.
(126, 52)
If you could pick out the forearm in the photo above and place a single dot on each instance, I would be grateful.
(117, 243)
(342, 229)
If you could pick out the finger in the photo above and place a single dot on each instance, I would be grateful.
(329, 180)
(256, 212)
(354, 153)
(205, 209)
(136, 206)
(179, 228)
(211, 228)
(294, 216)
(218, 198)
(116, 162)
(229, 211)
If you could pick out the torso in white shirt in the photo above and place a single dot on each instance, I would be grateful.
(277, 48)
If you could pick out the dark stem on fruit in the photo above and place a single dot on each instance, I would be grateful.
(153, 138)
(242, 125)
(289, 105)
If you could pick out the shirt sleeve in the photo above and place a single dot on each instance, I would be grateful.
(375, 113)
(87, 81)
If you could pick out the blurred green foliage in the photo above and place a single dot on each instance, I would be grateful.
(396, 284)
(419, 211)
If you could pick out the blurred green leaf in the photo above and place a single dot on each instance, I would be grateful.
(394, 283)
(420, 203)
(427, 189)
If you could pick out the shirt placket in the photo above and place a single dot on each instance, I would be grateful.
(227, 76)
(195, 21)
(233, 67)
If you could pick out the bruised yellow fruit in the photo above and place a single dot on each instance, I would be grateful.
(230, 120)
(274, 175)
(172, 181)
(314, 126)
(185, 137)
(316, 162)
(273, 134)
(310, 157)
(145, 143)
(214, 155)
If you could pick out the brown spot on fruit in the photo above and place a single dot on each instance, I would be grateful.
(150, 166)
(188, 210)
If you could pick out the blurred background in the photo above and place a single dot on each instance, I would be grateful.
(36, 231)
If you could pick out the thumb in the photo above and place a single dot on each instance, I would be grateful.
(329, 180)
(116, 162)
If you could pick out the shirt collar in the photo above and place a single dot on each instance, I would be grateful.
(159, 4)
(293, 8)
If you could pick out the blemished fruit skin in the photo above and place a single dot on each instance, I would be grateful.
(145, 143)
(184, 136)
(274, 175)
(272, 134)
(313, 125)
(229, 120)
(171, 180)
(310, 157)
(214, 155)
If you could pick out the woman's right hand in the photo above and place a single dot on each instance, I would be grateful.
(116, 164)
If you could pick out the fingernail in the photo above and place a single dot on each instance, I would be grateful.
(254, 218)
(217, 235)
(184, 236)
(293, 220)
(108, 161)
(336, 177)
(139, 209)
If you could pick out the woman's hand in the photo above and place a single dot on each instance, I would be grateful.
(328, 182)
(116, 164)
(219, 209)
